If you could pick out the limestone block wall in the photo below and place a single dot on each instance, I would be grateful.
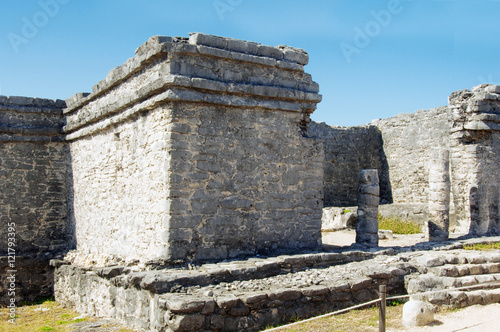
(195, 149)
(33, 167)
(475, 158)
(119, 199)
(347, 151)
(408, 140)
(33, 178)
(245, 182)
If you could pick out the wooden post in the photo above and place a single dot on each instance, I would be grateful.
(381, 311)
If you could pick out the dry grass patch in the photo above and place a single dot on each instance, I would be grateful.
(398, 225)
(47, 315)
(483, 246)
(365, 320)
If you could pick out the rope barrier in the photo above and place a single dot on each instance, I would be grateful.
(327, 315)
(491, 283)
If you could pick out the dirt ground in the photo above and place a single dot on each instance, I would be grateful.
(477, 318)
(348, 237)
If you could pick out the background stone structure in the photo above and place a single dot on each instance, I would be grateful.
(33, 181)
(347, 151)
(398, 147)
(475, 158)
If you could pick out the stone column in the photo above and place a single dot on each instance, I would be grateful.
(368, 199)
(439, 196)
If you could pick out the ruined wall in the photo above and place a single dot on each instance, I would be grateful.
(398, 147)
(120, 178)
(408, 140)
(347, 151)
(194, 150)
(475, 159)
(33, 211)
(247, 182)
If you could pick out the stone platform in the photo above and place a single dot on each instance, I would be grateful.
(246, 295)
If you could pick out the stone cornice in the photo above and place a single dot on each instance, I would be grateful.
(177, 81)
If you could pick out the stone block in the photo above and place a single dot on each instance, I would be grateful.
(492, 89)
(227, 302)
(253, 298)
(184, 304)
(186, 323)
(236, 203)
(417, 313)
(285, 295)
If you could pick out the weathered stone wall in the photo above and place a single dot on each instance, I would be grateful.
(120, 189)
(195, 150)
(229, 296)
(33, 210)
(32, 277)
(399, 148)
(347, 151)
(475, 159)
(246, 182)
(408, 140)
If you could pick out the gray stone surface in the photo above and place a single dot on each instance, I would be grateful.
(33, 196)
(347, 151)
(368, 200)
(408, 140)
(254, 293)
(439, 196)
(417, 313)
(475, 158)
(193, 150)
(455, 279)
(232, 300)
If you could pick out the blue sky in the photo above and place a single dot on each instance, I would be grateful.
(371, 58)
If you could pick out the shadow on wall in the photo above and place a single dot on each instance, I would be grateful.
(347, 151)
(384, 175)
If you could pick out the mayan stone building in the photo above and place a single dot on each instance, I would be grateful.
(201, 149)
(195, 149)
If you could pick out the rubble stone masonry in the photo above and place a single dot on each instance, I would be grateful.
(196, 149)
(200, 150)
(33, 210)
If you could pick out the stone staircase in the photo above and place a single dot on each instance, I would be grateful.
(456, 278)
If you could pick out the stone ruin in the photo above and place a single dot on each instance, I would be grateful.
(201, 150)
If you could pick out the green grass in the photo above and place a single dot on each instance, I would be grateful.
(398, 225)
(44, 315)
(483, 246)
(395, 303)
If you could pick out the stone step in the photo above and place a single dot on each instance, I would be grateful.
(460, 270)
(461, 299)
(456, 257)
(431, 282)
(161, 281)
